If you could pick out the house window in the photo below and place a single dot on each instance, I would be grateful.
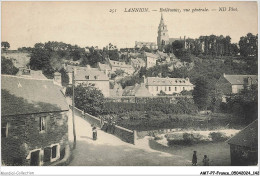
(175, 88)
(4, 130)
(183, 88)
(87, 77)
(169, 88)
(55, 152)
(157, 89)
(42, 123)
(165, 88)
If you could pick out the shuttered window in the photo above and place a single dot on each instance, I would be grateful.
(47, 154)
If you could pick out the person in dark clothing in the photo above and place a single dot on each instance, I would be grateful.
(94, 131)
(205, 161)
(194, 158)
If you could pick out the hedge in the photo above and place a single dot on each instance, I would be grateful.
(167, 108)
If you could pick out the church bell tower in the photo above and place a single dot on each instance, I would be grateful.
(163, 36)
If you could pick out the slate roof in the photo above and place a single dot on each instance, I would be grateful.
(156, 81)
(90, 74)
(22, 95)
(120, 64)
(136, 90)
(239, 79)
(248, 137)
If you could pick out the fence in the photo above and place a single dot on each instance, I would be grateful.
(124, 134)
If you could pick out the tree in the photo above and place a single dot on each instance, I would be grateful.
(248, 45)
(64, 77)
(5, 45)
(201, 93)
(89, 99)
(7, 66)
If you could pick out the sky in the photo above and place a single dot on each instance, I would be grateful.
(92, 23)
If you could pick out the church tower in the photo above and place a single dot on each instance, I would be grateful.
(163, 36)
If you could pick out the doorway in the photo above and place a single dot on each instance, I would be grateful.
(35, 158)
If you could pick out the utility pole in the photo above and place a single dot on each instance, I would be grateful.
(73, 104)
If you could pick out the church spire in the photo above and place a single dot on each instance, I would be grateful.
(162, 19)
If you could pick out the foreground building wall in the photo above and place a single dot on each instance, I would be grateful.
(34, 139)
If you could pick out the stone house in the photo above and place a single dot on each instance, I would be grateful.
(233, 84)
(117, 65)
(137, 63)
(168, 85)
(244, 146)
(89, 77)
(34, 122)
(151, 59)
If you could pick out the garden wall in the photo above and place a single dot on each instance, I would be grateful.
(124, 134)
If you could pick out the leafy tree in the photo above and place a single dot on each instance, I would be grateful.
(64, 77)
(5, 45)
(7, 66)
(201, 93)
(248, 45)
(89, 99)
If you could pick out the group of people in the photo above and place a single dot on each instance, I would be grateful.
(205, 160)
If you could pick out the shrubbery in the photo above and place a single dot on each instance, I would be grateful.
(218, 136)
(183, 107)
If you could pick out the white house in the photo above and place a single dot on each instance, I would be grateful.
(168, 85)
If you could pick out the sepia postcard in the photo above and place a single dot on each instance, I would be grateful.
(129, 83)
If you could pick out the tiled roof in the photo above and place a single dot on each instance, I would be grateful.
(155, 81)
(90, 74)
(22, 95)
(239, 79)
(247, 137)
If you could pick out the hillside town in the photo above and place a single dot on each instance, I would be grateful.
(175, 102)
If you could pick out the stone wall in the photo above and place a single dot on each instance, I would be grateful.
(122, 133)
(24, 135)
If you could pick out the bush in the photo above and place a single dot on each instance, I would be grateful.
(218, 136)
(158, 138)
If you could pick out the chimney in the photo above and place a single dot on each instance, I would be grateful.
(224, 75)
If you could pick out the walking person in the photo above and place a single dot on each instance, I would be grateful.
(94, 133)
(205, 161)
(194, 158)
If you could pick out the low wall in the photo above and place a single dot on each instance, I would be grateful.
(124, 134)
(93, 120)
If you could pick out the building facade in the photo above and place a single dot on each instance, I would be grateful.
(233, 84)
(244, 146)
(150, 45)
(151, 59)
(34, 122)
(117, 65)
(167, 85)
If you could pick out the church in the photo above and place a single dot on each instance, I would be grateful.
(162, 38)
